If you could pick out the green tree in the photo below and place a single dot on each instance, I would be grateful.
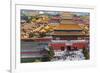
(86, 53)
(42, 34)
(50, 53)
(31, 35)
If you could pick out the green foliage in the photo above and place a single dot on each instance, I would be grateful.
(31, 35)
(86, 53)
(50, 53)
(42, 34)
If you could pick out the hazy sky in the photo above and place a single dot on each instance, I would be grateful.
(53, 12)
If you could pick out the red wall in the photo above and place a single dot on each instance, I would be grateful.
(58, 46)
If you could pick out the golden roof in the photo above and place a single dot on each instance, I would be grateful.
(68, 33)
(68, 27)
(66, 21)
